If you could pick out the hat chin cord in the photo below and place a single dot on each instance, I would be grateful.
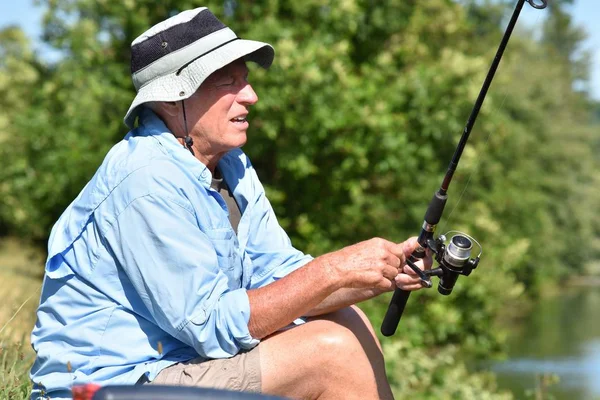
(189, 142)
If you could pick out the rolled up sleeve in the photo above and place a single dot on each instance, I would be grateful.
(173, 267)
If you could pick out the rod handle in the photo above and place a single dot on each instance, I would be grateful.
(394, 312)
(398, 302)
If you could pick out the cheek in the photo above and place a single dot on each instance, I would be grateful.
(207, 121)
(212, 113)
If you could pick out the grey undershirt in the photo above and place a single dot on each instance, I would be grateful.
(219, 184)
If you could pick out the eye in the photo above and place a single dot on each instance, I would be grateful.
(225, 82)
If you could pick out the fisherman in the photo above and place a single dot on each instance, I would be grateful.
(170, 266)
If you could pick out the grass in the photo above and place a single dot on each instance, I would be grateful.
(20, 281)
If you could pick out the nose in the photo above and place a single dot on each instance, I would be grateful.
(247, 95)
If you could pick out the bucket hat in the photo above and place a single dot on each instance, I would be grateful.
(171, 59)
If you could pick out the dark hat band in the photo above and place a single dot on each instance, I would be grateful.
(173, 39)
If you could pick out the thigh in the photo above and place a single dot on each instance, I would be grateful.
(240, 373)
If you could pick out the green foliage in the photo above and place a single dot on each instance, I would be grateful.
(437, 375)
(357, 120)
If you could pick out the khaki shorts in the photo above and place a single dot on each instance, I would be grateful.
(239, 373)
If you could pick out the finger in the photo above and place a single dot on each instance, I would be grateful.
(420, 264)
(390, 272)
(394, 261)
(409, 246)
(428, 262)
(405, 279)
(397, 250)
(387, 285)
(413, 287)
(408, 271)
(405, 283)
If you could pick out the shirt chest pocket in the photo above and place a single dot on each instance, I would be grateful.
(226, 244)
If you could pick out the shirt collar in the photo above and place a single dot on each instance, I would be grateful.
(151, 125)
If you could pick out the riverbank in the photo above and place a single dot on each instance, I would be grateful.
(584, 281)
(558, 338)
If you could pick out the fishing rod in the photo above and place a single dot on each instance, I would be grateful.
(452, 250)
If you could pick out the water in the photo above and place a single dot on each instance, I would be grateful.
(560, 336)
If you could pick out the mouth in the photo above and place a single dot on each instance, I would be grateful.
(241, 120)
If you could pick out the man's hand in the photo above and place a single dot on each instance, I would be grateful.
(375, 264)
(407, 279)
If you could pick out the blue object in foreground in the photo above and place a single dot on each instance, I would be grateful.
(163, 392)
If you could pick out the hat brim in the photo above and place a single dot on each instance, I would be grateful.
(174, 86)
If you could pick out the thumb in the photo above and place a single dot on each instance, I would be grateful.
(410, 245)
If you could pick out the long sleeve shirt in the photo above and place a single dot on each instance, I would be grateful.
(144, 269)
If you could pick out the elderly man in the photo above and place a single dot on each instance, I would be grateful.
(170, 266)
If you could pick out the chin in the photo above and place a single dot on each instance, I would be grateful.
(241, 140)
(233, 145)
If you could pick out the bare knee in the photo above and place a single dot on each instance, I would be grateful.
(346, 340)
(334, 342)
(354, 319)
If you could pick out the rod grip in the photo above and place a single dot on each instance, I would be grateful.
(394, 312)
(398, 302)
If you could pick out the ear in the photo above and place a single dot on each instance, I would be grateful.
(171, 108)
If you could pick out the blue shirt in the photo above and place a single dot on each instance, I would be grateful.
(144, 269)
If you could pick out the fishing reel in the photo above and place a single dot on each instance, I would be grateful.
(454, 258)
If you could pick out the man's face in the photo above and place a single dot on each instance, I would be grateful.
(217, 111)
